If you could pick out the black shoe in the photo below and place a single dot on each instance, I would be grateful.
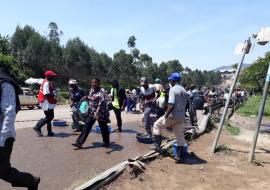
(117, 130)
(77, 145)
(179, 155)
(38, 131)
(50, 134)
(106, 145)
(35, 184)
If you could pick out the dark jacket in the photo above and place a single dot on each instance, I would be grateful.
(121, 96)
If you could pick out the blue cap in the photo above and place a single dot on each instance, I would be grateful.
(175, 76)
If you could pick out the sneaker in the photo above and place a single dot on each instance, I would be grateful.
(38, 132)
(76, 130)
(51, 134)
(77, 145)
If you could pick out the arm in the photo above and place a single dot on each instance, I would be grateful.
(8, 109)
(171, 103)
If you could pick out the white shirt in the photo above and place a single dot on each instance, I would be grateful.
(7, 113)
(45, 105)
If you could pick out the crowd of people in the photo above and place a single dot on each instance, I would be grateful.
(171, 102)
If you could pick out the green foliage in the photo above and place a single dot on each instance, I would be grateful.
(251, 107)
(131, 42)
(28, 54)
(254, 76)
(197, 77)
(4, 45)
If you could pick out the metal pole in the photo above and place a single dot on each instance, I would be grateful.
(260, 115)
(246, 50)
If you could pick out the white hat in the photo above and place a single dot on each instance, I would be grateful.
(72, 81)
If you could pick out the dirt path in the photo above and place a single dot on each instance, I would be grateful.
(221, 170)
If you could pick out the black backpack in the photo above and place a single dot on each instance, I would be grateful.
(198, 101)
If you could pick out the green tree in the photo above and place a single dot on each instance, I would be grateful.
(131, 42)
(4, 45)
(54, 33)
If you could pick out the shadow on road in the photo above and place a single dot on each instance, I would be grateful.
(193, 159)
(63, 135)
(113, 147)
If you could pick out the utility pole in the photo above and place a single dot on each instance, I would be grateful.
(245, 51)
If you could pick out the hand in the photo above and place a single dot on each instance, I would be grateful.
(96, 116)
(163, 121)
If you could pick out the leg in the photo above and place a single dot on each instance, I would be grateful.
(12, 175)
(105, 133)
(178, 130)
(75, 119)
(86, 130)
(40, 124)
(118, 118)
(49, 115)
(147, 120)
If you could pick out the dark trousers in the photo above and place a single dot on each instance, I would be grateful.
(46, 120)
(118, 117)
(88, 126)
(12, 175)
(192, 114)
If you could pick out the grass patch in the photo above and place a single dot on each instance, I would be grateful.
(251, 107)
(233, 130)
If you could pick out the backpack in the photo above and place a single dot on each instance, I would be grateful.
(198, 101)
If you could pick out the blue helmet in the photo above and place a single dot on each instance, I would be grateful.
(175, 76)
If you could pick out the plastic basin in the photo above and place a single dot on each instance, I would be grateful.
(59, 123)
(99, 131)
(143, 138)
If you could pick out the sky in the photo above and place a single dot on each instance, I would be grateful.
(201, 34)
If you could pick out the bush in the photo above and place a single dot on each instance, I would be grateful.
(251, 107)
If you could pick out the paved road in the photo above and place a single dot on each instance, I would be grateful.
(55, 160)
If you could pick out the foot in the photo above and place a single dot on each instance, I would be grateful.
(77, 145)
(106, 145)
(51, 134)
(35, 184)
(117, 130)
(38, 132)
(77, 130)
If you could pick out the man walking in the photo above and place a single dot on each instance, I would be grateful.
(118, 97)
(10, 105)
(75, 94)
(174, 116)
(148, 103)
(47, 101)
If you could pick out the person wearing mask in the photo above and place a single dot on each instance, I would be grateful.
(148, 103)
(118, 97)
(76, 94)
(47, 102)
(174, 116)
(98, 111)
(9, 106)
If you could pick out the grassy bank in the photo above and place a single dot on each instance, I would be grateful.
(251, 107)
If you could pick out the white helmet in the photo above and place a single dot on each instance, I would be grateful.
(72, 81)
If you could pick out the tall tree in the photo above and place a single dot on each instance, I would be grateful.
(54, 33)
(131, 42)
